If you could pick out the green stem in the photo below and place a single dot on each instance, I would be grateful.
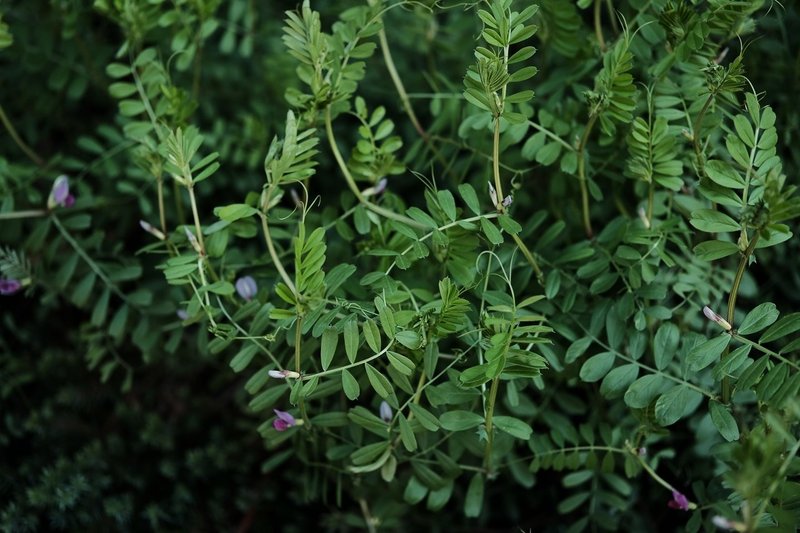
(737, 281)
(498, 185)
(30, 213)
(776, 481)
(274, 255)
(587, 222)
(162, 217)
(650, 197)
(487, 458)
(298, 339)
(652, 473)
(33, 156)
(530, 258)
(89, 261)
(764, 350)
(552, 135)
(351, 183)
(598, 30)
(196, 217)
(351, 365)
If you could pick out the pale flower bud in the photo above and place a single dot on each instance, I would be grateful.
(283, 374)
(711, 315)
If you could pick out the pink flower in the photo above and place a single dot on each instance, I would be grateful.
(283, 421)
(678, 501)
(9, 286)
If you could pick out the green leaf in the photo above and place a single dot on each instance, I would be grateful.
(665, 344)
(577, 349)
(644, 390)
(707, 352)
(329, 342)
(401, 363)
(676, 403)
(618, 380)
(783, 327)
(491, 231)
(406, 434)
(473, 503)
(470, 198)
(597, 366)
(460, 420)
(350, 385)
(447, 203)
(351, 339)
(724, 174)
(713, 221)
(762, 316)
(409, 339)
(513, 426)
(379, 382)
(243, 358)
(372, 335)
(424, 417)
(724, 421)
(712, 250)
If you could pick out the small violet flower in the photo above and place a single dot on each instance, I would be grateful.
(283, 374)
(711, 315)
(381, 186)
(678, 501)
(59, 195)
(9, 286)
(507, 201)
(283, 421)
(182, 314)
(246, 287)
(385, 411)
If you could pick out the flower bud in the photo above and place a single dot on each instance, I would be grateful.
(246, 287)
(385, 411)
(155, 232)
(283, 374)
(711, 315)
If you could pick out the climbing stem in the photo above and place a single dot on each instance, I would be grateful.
(498, 185)
(744, 260)
(487, 458)
(351, 183)
(587, 222)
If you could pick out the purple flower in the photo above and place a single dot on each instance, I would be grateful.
(507, 201)
(9, 286)
(385, 411)
(283, 421)
(678, 501)
(246, 287)
(381, 186)
(59, 195)
(182, 314)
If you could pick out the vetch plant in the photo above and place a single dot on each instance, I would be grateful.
(495, 265)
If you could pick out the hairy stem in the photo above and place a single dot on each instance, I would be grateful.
(196, 217)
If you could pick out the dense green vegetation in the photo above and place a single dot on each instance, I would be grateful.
(386, 265)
